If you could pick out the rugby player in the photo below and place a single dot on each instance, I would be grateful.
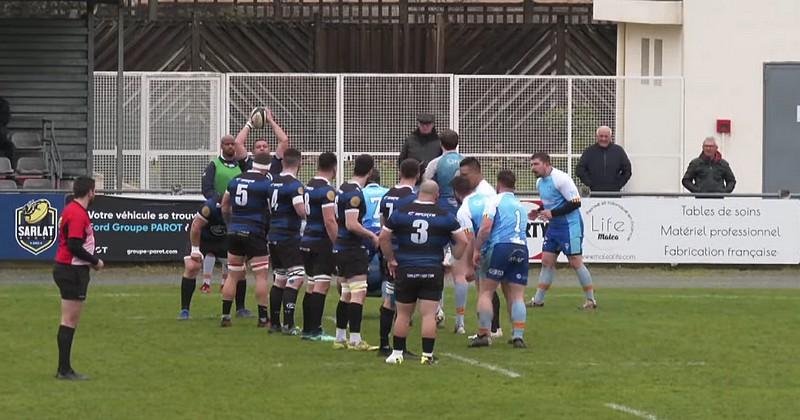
(399, 196)
(288, 210)
(505, 262)
(317, 244)
(422, 230)
(471, 169)
(442, 170)
(561, 208)
(373, 193)
(262, 146)
(351, 256)
(245, 207)
(74, 257)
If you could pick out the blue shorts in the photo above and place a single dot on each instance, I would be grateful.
(566, 239)
(508, 263)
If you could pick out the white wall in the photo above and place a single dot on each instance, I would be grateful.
(726, 43)
(651, 129)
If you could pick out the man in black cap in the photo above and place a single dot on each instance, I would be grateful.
(423, 144)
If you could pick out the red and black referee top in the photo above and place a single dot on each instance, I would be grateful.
(75, 224)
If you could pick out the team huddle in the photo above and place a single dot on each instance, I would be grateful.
(441, 220)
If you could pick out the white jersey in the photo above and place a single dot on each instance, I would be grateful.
(485, 188)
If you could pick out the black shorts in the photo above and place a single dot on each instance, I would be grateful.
(351, 262)
(219, 248)
(284, 255)
(414, 283)
(72, 281)
(318, 258)
(247, 245)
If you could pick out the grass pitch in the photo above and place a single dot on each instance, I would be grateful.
(646, 353)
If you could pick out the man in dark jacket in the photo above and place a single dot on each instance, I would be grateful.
(604, 166)
(709, 172)
(423, 144)
(6, 148)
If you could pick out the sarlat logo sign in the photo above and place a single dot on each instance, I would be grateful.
(36, 226)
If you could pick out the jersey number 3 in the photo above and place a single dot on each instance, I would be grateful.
(421, 235)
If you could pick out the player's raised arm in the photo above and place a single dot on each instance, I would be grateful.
(283, 139)
(226, 208)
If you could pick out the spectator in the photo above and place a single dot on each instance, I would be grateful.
(5, 142)
(709, 172)
(604, 166)
(423, 144)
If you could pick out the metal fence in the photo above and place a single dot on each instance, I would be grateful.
(173, 121)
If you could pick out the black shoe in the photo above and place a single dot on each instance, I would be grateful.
(480, 341)
(71, 376)
(518, 343)
(262, 324)
(226, 322)
(384, 351)
(275, 329)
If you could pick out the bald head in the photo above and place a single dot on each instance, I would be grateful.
(603, 135)
(228, 146)
(429, 191)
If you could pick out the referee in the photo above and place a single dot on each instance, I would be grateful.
(74, 256)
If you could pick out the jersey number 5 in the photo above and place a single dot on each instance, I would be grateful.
(421, 235)
(241, 195)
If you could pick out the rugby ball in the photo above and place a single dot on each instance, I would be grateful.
(36, 211)
(258, 117)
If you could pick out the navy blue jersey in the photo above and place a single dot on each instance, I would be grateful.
(397, 197)
(250, 203)
(319, 194)
(285, 191)
(215, 229)
(349, 198)
(422, 231)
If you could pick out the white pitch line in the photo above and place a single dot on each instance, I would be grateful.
(631, 411)
(493, 368)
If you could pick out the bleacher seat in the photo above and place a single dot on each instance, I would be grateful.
(26, 140)
(31, 166)
(8, 184)
(5, 167)
(37, 184)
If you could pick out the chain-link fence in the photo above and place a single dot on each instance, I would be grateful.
(173, 121)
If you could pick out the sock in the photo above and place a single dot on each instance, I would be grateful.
(399, 344)
(241, 294)
(484, 322)
(461, 302)
(307, 315)
(518, 315)
(289, 302)
(226, 308)
(319, 310)
(187, 290)
(64, 338)
(495, 312)
(263, 314)
(341, 315)
(546, 276)
(586, 282)
(427, 346)
(341, 334)
(387, 316)
(275, 299)
(355, 337)
(354, 314)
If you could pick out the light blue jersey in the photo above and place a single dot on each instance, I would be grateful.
(510, 220)
(442, 170)
(556, 190)
(373, 193)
